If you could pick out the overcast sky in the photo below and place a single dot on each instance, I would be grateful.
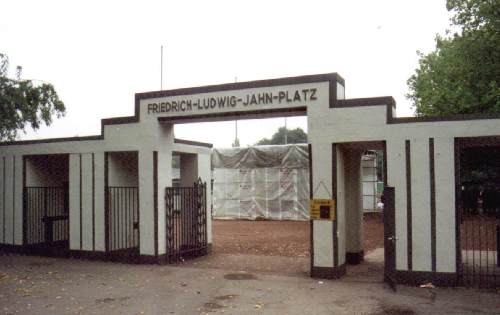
(98, 54)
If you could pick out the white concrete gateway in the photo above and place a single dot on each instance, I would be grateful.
(88, 178)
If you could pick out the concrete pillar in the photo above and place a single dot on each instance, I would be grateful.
(325, 261)
(74, 201)
(164, 177)
(189, 169)
(353, 207)
(204, 172)
(155, 174)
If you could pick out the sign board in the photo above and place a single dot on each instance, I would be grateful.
(241, 100)
(322, 209)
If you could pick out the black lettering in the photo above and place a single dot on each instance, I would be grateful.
(261, 98)
(305, 94)
(198, 104)
(269, 98)
(288, 100)
(213, 102)
(174, 106)
(281, 96)
(182, 105)
(189, 105)
(313, 95)
(232, 101)
(253, 100)
(296, 97)
(247, 100)
(222, 102)
(152, 107)
(162, 107)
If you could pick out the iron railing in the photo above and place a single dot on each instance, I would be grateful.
(480, 247)
(186, 222)
(122, 220)
(46, 222)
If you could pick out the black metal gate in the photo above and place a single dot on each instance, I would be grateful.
(480, 238)
(46, 220)
(478, 207)
(122, 223)
(186, 222)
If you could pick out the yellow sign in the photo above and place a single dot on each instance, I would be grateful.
(322, 209)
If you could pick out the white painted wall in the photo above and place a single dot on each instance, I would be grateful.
(354, 201)
(99, 202)
(368, 123)
(421, 200)
(2, 199)
(204, 165)
(325, 126)
(46, 171)
(189, 169)
(397, 178)
(9, 200)
(445, 204)
(123, 169)
(87, 207)
(341, 205)
(74, 201)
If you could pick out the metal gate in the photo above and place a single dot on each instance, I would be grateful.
(480, 238)
(46, 220)
(477, 175)
(186, 222)
(122, 223)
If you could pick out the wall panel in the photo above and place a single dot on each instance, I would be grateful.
(421, 217)
(445, 205)
(74, 201)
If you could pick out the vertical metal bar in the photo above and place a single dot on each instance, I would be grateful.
(474, 247)
(188, 220)
(498, 245)
(116, 207)
(179, 223)
(128, 228)
(121, 212)
(125, 216)
(480, 247)
(136, 217)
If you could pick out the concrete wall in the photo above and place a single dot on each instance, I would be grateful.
(326, 126)
(11, 204)
(354, 202)
(86, 208)
(189, 169)
(123, 169)
(47, 171)
(204, 172)
(368, 123)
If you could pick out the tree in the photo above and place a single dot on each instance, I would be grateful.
(462, 75)
(24, 103)
(296, 135)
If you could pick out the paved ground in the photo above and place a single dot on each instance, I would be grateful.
(34, 285)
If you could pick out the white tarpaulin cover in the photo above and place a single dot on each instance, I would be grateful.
(261, 182)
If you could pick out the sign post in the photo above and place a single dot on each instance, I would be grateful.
(322, 209)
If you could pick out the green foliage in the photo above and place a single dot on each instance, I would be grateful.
(296, 135)
(462, 75)
(23, 103)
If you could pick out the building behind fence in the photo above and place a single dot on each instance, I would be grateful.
(261, 182)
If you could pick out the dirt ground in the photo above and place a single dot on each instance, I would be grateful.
(274, 247)
(281, 238)
(37, 285)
